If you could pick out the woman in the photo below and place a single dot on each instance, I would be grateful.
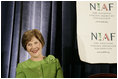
(38, 66)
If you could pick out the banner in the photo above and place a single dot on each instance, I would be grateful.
(97, 31)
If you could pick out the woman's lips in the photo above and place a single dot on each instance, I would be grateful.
(35, 51)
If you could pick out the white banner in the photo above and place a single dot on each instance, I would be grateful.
(97, 31)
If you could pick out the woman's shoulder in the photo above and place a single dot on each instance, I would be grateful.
(21, 64)
(51, 59)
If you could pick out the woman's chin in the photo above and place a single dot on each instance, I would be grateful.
(36, 55)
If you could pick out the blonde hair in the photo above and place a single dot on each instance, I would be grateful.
(27, 36)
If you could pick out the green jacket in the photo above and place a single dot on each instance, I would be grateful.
(49, 67)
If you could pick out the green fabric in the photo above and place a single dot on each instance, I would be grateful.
(49, 67)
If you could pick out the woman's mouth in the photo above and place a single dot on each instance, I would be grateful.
(35, 50)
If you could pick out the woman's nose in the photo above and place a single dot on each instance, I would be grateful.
(33, 46)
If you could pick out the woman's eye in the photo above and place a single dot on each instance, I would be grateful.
(35, 42)
(29, 44)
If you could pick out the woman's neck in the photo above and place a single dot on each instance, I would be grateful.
(37, 58)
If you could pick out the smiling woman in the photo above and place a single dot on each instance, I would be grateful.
(34, 47)
(33, 42)
(38, 66)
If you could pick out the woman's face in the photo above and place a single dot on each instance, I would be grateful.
(34, 47)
